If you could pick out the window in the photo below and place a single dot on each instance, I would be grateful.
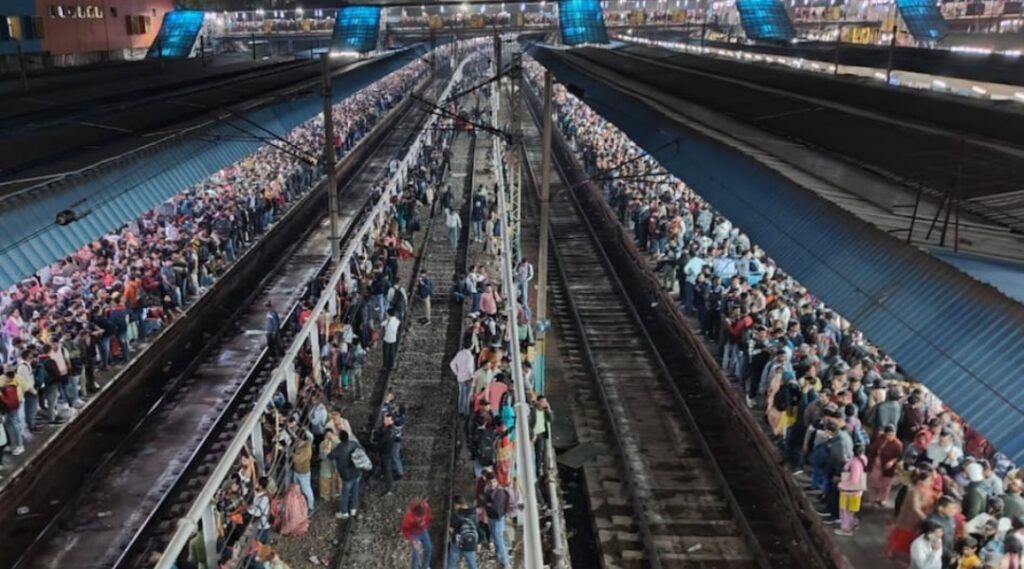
(581, 21)
(765, 20)
(923, 19)
(356, 28)
(38, 27)
(6, 33)
(12, 25)
(177, 34)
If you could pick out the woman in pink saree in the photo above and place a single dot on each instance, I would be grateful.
(295, 520)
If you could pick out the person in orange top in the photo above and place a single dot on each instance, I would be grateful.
(416, 530)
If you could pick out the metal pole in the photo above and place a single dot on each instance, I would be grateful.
(252, 45)
(332, 182)
(202, 50)
(839, 42)
(892, 46)
(22, 70)
(545, 220)
(913, 216)
(559, 547)
(703, 29)
(209, 525)
(533, 557)
(497, 74)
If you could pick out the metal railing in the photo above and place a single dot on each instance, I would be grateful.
(533, 555)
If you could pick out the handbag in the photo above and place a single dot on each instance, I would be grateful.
(236, 516)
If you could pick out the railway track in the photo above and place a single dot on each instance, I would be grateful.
(669, 487)
(423, 383)
(131, 503)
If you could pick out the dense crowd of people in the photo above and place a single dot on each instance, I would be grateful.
(836, 405)
(73, 319)
(310, 452)
(312, 456)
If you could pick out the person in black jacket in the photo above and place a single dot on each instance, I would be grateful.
(496, 505)
(385, 438)
(105, 333)
(464, 532)
(351, 477)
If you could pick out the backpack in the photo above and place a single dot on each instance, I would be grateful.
(860, 436)
(485, 447)
(40, 375)
(9, 397)
(466, 536)
(360, 459)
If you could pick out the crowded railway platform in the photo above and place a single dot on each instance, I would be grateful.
(518, 334)
(850, 425)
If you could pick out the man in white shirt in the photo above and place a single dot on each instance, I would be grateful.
(463, 366)
(945, 451)
(523, 275)
(390, 325)
(454, 224)
(926, 550)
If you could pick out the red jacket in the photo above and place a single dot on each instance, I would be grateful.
(414, 524)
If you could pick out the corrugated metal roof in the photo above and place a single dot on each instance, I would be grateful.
(962, 338)
(117, 193)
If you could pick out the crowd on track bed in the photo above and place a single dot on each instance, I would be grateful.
(312, 455)
(839, 408)
(76, 318)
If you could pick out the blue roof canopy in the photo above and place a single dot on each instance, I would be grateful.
(962, 338)
(114, 194)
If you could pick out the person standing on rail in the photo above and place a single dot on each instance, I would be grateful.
(448, 198)
(424, 290)
(497, 504)
(260, 511)
(273, 330)
(351, 475)
(464, 368)
(398, 421)
(385, 440)
(540, 430)
(416, 530)
(354, 360)
(453, 222)
(523, 275)
(465, 535)
(430, 199)
(302, 458)
(477, 215)
(391, 326)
